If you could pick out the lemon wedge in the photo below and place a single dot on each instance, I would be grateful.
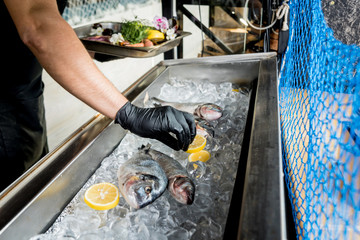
(197, 145)
(202, 156)
(155, 35)
(102, 196)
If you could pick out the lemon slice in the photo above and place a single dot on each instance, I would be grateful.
(197, 145)
(155, 35)
(102, 196)
(202, 156)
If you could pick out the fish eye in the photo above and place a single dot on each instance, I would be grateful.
(148, 189)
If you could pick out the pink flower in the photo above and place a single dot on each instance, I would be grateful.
(161, 23)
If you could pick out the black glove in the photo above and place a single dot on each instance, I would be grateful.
(157, 123)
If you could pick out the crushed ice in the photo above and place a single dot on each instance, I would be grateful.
(166, 218)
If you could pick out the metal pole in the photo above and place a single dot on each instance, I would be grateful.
(207, 31)
(167, 11)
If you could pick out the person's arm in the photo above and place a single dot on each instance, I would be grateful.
(61, 53)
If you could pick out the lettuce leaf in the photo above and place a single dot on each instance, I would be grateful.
(134, 31)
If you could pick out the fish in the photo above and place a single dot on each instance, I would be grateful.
(180, 185)
(204, 128)
(205, 111)
(141, 180)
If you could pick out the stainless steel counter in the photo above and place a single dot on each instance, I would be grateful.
(257, 209)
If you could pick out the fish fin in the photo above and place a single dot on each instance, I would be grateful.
(146, 98)
(156, 102)
(157, 105)
(145, 148)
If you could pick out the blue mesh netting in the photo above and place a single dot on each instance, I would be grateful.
(319, 96)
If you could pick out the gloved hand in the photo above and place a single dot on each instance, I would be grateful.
(157, 123)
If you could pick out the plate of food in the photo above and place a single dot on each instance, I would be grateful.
(135, 38)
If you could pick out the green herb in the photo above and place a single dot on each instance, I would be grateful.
(134, 31)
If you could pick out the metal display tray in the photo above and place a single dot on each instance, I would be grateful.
(123, 51)
(257, 209)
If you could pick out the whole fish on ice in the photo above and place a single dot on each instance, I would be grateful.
(206, 111)
(180, 185)
(141, 180)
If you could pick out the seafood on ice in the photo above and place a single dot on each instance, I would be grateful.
(180, 185)
(205, 111)
(141, 180)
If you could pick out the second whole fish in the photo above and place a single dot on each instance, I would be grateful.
(205, 111)
(180, 185)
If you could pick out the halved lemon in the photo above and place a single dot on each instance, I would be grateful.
(202, 156)
(155, 35)
(197, 145)
(102, 196)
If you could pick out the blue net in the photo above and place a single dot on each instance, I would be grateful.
(319, 94)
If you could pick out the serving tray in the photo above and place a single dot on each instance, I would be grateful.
(83, 32)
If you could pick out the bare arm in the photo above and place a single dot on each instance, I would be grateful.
(60, 52)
